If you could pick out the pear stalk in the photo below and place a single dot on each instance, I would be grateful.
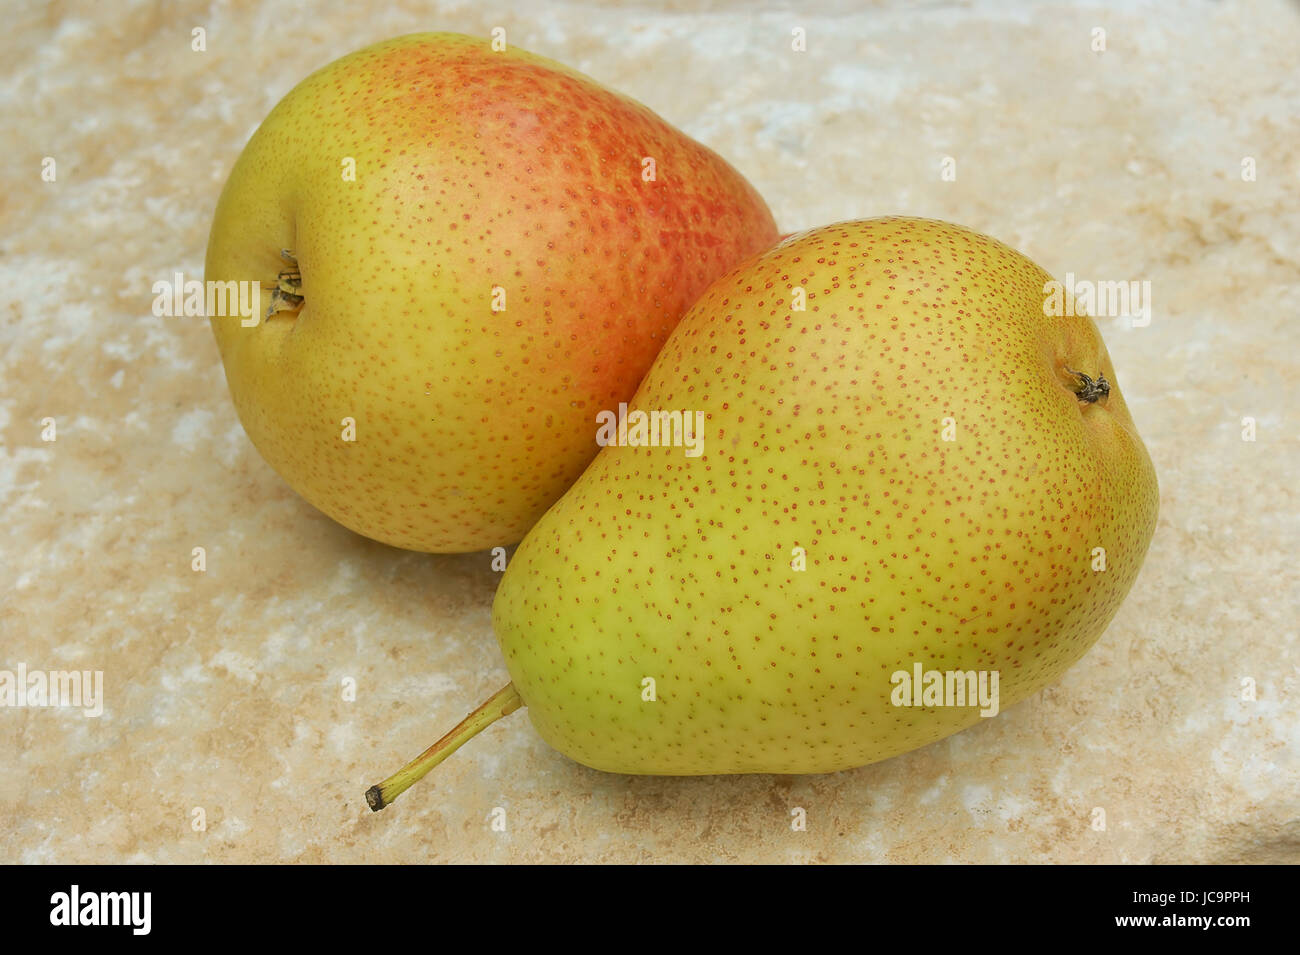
(504, 702)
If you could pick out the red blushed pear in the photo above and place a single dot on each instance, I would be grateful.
(464, 256)
(920, 500)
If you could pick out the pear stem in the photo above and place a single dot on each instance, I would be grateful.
(505, 701)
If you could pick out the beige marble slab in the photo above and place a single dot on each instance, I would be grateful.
(222, 689)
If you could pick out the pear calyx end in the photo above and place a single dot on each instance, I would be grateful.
(1089, 390)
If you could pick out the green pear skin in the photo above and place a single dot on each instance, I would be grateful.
(825, 430)
(480, 258)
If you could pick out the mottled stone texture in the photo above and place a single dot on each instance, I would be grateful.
(224, 688)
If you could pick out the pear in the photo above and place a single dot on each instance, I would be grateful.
(463, 254)
(919, 473)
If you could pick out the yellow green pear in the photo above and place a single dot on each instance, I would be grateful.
(906, 468)
(464, 253)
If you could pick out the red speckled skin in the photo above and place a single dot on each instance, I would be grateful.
(826, 431)
(475, 170)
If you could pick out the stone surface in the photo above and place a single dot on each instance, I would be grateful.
(223, 689)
